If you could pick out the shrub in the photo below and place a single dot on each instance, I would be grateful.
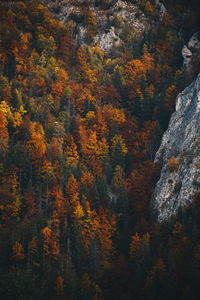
(172, 164)
(177, 187)
(117, 22)
(149, 9)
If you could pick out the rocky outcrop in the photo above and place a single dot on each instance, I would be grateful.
(107, 40)
(112, 20)
(191, 52)
(178, 184)
(120, 16)
(160, 6)
(187, 56)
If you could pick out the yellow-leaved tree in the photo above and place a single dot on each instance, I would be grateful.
(71, 151)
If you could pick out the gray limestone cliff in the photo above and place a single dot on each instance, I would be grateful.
(178, 184)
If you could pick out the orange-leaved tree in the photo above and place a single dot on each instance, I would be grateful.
(71, 151)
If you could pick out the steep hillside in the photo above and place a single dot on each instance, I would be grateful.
(86, 90)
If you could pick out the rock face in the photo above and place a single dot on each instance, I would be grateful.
(187, 56)
(160, 6)
(177, 185)
(106, 40)
(191, 52)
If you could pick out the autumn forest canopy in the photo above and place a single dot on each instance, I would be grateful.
(79, 129)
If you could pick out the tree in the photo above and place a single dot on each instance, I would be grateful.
(30, 203)
(38, 85)
(118, 78)
(63, 48)
(58, 86)
(170, 98)
(107, 229)
(12, 198)
(87, 179)
(46, 45)
(16, 99)
(71, 151)
(88, 75)
(33, 245)
(72, 192)
(4, 137)
(91, 23)
(92, 150)
(50, 244)
(134, 246)
(149, 9)
(60, 285)
(172, 164)
(156, 280)
(59, 208)
(36, 145)
(118, 178)
(18, 251)
(119, 150)
(113, 116)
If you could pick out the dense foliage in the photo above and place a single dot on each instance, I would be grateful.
(79, 129)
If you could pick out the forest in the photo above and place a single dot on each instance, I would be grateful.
(79, 129)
